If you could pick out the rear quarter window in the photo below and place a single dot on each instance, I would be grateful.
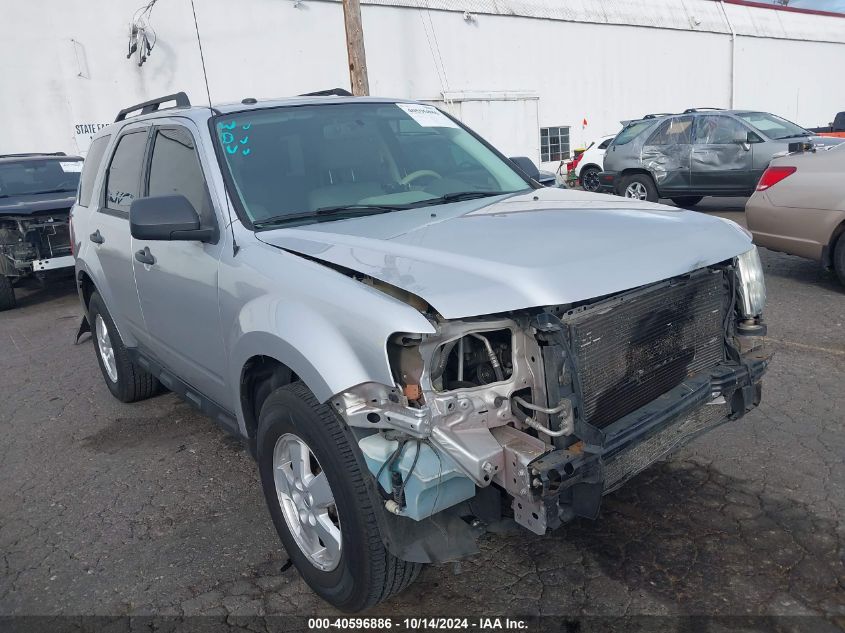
(631, 132)
(90, 168)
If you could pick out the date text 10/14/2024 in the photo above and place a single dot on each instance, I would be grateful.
(481, 624)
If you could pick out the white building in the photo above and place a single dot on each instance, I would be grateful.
(506, 67)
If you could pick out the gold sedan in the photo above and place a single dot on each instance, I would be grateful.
(799, 206)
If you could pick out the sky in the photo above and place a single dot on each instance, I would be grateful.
(821, 5)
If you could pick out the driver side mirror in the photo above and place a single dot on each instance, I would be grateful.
(167, 218)
(742, 137)
(527, 166)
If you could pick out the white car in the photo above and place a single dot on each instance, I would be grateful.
(592, 162)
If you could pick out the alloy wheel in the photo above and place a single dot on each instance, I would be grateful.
(590, 180)
(105, 347)
(637, 191)
(307, 502)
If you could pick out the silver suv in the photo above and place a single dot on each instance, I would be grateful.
(701, 152)
(413, 338)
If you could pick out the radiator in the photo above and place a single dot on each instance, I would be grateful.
(632, 349)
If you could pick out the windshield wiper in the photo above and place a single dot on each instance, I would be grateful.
(331, 212)
(461, 195)
(783, 138)
(62, 190)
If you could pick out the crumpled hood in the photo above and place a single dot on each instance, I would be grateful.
(545, 247)
(36, 204)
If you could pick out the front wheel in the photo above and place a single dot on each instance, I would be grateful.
(320, 504)
(687, 201)
(590, 179)
(639, 187)
(7, 293)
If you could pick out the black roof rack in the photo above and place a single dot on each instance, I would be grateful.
(26, 155)
(691, 110)
(152, 105)
(657, 115)
(333, 92)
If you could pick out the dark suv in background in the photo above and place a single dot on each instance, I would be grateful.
(700, 152)
(36, 194)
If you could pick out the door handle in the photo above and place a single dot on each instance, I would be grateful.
(145, 256)
(96, 237)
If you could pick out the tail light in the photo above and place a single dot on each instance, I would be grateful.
(773, 175)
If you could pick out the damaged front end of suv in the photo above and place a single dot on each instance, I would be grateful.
(541, 412)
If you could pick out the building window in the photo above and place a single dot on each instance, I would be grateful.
(554, 144)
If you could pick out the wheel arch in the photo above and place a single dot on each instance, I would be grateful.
(631, 171)
(260, 376)
(828, 251)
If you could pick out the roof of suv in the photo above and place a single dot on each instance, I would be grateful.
(150, 110)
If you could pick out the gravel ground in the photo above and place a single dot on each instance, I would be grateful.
(116, 509)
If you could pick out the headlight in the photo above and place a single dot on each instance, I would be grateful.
(752, 286)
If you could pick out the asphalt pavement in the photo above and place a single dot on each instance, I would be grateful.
(149, 508)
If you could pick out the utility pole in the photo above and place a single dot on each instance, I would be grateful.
(355, 48)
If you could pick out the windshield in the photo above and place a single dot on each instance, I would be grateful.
(289, 163)
(773, 126)
(631, 132)
(27, 177)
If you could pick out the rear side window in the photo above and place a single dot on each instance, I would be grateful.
(90, 169)
(676, 131)
(605, 143)
(631, 132)
(718, 130)
(123, 180)
(175, 168)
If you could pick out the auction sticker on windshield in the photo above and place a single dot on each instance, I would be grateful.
(426, 115)
(71, 166)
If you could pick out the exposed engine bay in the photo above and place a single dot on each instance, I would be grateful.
(32, 243)
(557, 406)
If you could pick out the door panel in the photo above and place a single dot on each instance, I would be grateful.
(110, 231)
(719, 163)
(178, 292)
(666, 154)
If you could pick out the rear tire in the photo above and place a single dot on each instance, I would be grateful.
(687, 201)
(839, 258)
(127, 381)
(590, 179)
(361, 572)
(639, 187)
(7, 294)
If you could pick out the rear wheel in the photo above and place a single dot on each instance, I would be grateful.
(7, 294)
(319, 501)
(687, 201)
(839, 258)
(639, 187)
(127, 381)
(590, 178)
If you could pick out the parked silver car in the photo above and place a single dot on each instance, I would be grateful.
(698, 153)
(412, 337)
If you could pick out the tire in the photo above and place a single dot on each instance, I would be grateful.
(7, 294)
(360, 573)
(127, 381)
(839, 258)
(642, 185)
(590, 179)
(687, 201)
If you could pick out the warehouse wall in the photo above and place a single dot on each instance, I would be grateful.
(63, 66)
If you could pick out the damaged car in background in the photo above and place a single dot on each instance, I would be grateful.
(414, 339)
(700, 152)
(36, 194)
